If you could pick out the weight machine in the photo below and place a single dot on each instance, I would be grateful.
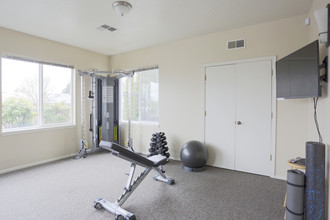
(104, 115)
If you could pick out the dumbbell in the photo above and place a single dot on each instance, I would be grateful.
(160, 151)
(159, 145)
(160, 139)
(152, 150)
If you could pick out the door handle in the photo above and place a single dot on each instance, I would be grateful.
(238, 122)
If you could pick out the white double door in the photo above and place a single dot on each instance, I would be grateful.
(238, 106)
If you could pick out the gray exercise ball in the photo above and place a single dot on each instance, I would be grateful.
(194, 156)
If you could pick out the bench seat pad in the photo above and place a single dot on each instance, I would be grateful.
(153, 161)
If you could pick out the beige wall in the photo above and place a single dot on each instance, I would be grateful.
(181, 82)
(29, 148)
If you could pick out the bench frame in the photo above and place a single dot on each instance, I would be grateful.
(154, 163)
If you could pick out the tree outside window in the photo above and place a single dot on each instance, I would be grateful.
(35, 94)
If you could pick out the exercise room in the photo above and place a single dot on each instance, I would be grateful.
(155, 110)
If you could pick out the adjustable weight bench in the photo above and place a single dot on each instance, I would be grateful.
(153, 162)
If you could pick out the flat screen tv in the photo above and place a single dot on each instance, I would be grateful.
(298, 74)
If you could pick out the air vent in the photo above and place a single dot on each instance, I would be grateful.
(236, 44)
(106, 27)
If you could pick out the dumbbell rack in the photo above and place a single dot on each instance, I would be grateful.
(158, 145)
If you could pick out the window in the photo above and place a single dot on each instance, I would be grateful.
(144, 96)
(35, 94)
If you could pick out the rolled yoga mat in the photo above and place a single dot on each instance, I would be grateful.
(315, 181)
(295, 188)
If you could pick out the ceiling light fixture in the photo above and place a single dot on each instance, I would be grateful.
(122, 7)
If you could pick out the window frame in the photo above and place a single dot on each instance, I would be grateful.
(139, 122)
(41, 125)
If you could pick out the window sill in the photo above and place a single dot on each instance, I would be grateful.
(36, 130)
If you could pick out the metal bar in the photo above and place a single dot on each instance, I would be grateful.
(136, 183)
(93, 112)
(130, 177)
(113, 208)
(82, 106)
(160, 172)
(129, 109)
(145, 68)
(41, 95)
(116, 73)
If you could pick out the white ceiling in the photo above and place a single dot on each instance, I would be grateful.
(150, 22)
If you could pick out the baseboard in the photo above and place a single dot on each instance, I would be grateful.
(279, 177)
(36, 163)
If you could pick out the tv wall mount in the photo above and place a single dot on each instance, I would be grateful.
(324, 65)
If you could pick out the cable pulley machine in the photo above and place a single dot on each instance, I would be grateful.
(104, 115)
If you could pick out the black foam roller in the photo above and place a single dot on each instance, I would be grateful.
(295, 195)
(315, 181)
(291, 216)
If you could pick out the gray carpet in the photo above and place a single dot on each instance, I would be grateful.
(66, 189)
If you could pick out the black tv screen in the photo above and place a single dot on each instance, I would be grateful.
(297, 75)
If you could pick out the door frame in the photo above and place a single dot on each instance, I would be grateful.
(273, 101)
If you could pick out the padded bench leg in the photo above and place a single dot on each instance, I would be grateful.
(114, 208)
(161, 177)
